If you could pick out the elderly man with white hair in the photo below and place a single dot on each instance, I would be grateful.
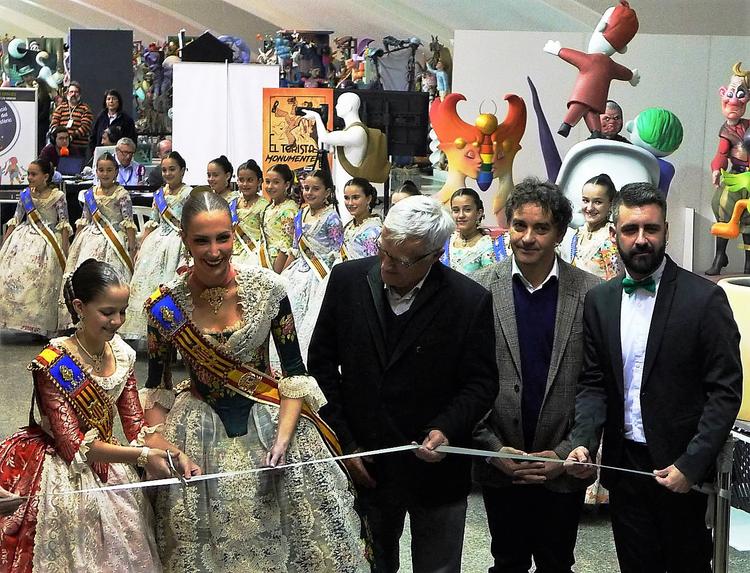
(404, 350)
(129, 172)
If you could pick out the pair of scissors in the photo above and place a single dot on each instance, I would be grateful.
(173, 470)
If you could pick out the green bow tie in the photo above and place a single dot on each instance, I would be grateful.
(630, 285)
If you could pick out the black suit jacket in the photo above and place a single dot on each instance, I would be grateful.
(441, 374)
(692, 379)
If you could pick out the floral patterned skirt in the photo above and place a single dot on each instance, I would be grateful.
(287, 521)
(30, 280)
(107, 532)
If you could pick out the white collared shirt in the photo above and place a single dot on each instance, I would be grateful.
(635, 322)
(400, 304)
(516, 270)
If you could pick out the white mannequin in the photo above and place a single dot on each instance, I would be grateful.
(354, 142)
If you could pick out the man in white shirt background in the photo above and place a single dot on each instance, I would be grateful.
(662, 377)
(129, 172)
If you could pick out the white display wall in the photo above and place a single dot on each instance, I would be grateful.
(679, 73)
(18, 132)
(218, 110)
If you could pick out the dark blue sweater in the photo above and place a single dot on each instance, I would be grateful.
(535, 322)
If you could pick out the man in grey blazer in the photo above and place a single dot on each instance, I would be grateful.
(533, 508)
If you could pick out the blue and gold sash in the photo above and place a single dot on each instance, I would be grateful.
(498, 247)
(213, 366)
(163, 206)
(445, 258)
(89, 400)
(573, 248)
(36, 221)
(106, 229)
(306, 251)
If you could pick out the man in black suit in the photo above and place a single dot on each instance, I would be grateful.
(404, 350)
(662, 376)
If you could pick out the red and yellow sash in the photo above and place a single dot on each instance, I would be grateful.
(209, 362)
(36, 221)
(89, 400)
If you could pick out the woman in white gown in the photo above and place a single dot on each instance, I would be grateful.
(234, 417)
(362, 231)
(160, 254)
(318, 236)
(249, 211)
(105, 232)
(82, 383)
(32, 258)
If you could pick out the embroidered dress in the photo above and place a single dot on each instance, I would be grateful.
(306, 287)
(91, 243)
(467, 259)
(595, 253)
(277, 223)
(94, 532)
(297, 520)
(30, 271)
(159, 257)
(361, 241)
(250, 220)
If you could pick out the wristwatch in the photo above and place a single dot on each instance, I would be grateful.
(142, 460)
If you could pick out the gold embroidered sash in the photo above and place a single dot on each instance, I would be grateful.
(212, 364)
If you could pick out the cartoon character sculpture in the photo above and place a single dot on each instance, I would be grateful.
(729, 201)
(615, 30)
(658, 131)
(14, 171)
(465, 145)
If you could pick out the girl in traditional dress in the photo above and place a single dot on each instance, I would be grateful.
(591, 248)
(469, 248)
(161, 246)
(233, 416)
(81, 384)
(277, 222)
(32, 258)
(249, 209)
(102, 230)
(318, 237)
(362, 231)
(219, 174)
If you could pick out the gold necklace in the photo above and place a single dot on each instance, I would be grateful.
(214, 297)
(97, 359)
(465, 242)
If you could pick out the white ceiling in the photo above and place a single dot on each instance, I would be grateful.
(153, 20)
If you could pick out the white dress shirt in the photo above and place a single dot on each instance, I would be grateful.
(400, 304)
(516, 270)
(635, 323)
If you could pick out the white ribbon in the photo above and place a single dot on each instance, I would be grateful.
(221, 475)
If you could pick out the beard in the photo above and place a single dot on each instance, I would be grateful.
(642, 260)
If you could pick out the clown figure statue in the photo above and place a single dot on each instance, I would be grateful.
(728, 201)
(596, 68)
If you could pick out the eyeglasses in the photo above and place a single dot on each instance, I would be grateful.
(124, 152)
(610, 118)
(404, 263)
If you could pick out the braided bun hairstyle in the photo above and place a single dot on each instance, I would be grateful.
(90, 280)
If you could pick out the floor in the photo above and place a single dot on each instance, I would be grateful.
(594, 551)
